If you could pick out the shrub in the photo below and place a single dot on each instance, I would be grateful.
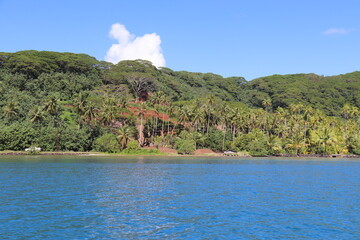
(215, 140)
(133, 145)
(185, 146)
(255, 143)
(106, 143)
(16, 137)
(142, 151)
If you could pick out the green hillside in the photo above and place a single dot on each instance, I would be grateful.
(177, 85)
(325, 93)
(73, 102)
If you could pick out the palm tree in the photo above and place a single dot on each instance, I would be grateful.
(296, 108)
(160, 101)
(345, 111)
(124, 135)
(196, 117)
(267, 104)
(224, 112)
(325, 138)
(308, 111)
(208, 112)
(297, 143)
(155, 122)
(52, 107)
(274, 144)
(208, 109)
(354, 111)
(170, 110)
(108, 115)
(184, 115)
(90, 112)
(10, 110)
(80, 103)
(123, 102)
(37, 115)
(141, 113)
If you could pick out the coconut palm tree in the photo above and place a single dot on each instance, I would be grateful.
(123, 102)
(170, 111)
(297, 142)
(325, 138)
(108, 115)
(80, 103)
(141, 113)
(123, 135)
(266, 103)
(90, 112)
(345, 111)
(37, 115)
(196, 117)
(184, 115)
(11, 110)
(53, 108)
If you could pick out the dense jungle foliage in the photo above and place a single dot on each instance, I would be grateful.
(73, 102)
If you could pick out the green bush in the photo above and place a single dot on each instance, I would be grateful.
(73, 139)
(257, 148)
(16, 137)
(215, 140)
(185, 146)
(255, 143)
(133, 145)
(106, 143)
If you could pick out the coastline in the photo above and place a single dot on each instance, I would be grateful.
(164, 154)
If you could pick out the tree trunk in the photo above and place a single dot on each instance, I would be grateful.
(223, 143)
(140, 129)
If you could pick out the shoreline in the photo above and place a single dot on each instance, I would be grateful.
(162, 154)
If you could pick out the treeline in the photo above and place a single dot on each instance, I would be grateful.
(328, 94)
(72, 102)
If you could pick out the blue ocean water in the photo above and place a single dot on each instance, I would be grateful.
(178, 198)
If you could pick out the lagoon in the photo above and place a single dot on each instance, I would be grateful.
(112, 197)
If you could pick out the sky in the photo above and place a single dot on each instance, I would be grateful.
(226, 37)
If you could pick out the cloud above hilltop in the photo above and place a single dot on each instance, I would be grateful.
(337, 31)
(130, 47)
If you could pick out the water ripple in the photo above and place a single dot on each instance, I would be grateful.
(179, 199)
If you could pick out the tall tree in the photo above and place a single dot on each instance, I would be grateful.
(141, 113)
(123, 135)
(53, 108)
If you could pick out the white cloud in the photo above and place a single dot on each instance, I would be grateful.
(337, 31)
(130, 47)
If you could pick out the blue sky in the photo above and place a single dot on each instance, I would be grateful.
(231, 38)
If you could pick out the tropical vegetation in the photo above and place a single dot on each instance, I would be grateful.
(73, 102)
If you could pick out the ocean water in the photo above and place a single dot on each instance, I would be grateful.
(178, 198)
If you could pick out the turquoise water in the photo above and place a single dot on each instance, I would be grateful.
(178, 198)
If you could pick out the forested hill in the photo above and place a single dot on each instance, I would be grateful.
(73, 102)
(43, 73)
(326, 93)
(179, 85)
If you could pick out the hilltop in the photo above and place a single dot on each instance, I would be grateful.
(326, 93)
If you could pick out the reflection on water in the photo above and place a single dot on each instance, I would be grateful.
(178, 198)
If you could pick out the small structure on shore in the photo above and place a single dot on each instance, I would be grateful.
(230, 153)
(33, 149)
